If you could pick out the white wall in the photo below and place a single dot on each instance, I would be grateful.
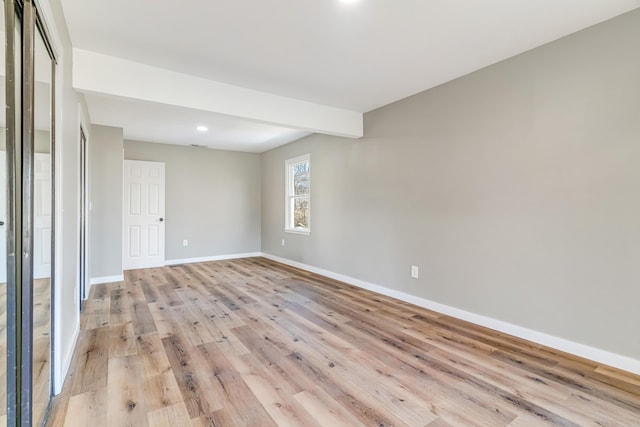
(71, 111)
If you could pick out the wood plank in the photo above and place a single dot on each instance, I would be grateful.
(142, 319)
(120, 308)
(87, 409)
(122, 340)
(97, 314)
(164, 320)
(91, 366)
(325, 410)
(282, 408)
(125, 393)
(193, 383)
(151, 353)
(161, 390)
(171, 416)
(241, 407)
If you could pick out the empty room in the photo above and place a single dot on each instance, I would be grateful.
(320, 213)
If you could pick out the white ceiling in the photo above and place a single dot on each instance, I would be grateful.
(351, 56)
(176, 125)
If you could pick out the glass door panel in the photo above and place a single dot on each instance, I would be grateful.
(42, 213)
(3, 234)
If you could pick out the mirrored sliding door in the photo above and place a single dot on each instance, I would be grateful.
(3, 238)
(26, 216)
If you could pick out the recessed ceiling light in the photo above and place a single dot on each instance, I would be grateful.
(348, 1)
(202, 128)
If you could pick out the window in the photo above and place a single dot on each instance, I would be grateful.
(298, 193)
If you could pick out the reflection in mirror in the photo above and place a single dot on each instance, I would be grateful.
(42, 234)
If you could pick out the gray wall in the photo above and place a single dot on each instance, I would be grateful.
(105, 196)
(515, 189)
(212, 199)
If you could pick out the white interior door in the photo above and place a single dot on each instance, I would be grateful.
(3, 216)
(42, 216)
(143, 237)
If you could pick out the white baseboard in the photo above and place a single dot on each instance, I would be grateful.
(106, 279)
(595, 354)
(211, 258)
(66, 362)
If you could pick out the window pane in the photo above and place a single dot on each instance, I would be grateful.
(301, 212)
(290, 219)
(301, 178)
(298, 193)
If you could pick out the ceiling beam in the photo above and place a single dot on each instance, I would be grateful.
(108, 75)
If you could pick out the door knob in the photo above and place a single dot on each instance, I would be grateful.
(161, 219)
(1, 222)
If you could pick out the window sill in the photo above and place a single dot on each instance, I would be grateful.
(294, 231)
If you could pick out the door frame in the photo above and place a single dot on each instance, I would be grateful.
(84, 219)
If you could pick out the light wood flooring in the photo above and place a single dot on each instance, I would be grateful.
(254, 343)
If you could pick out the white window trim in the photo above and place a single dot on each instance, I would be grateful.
(288, 189)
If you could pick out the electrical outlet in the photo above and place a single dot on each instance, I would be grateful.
(415, 272)
(282, 242)
(185, 242)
